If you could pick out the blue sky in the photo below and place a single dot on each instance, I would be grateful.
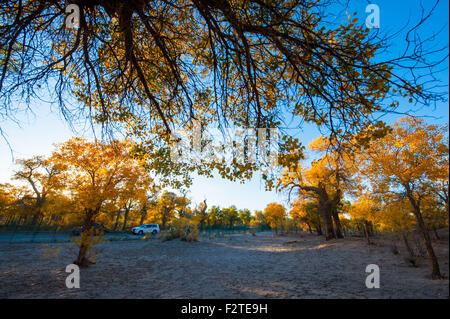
(38, 132)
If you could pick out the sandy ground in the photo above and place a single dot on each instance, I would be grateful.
(242, 266)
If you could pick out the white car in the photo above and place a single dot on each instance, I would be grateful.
(146, 228)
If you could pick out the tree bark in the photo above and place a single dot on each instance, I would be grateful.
(337, 224)
(408, 246)
(325, 211)
(125, 218)
(163, 222)
(38, 210)
(394, 247)
(36, 216)
(435, 233)
(366, 232)
(435, 271)
(82, 258)
(143, 215)
(319, 229)
(117, 220)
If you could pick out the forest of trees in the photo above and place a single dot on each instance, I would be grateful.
(86, 183)
(393, 185)
(147, 68)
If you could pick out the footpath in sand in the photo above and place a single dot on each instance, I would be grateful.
(242, 266)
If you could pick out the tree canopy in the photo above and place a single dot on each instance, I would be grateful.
(153, 66)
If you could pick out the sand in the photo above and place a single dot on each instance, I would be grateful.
(242, 266)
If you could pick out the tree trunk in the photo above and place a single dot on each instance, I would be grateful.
(163, 222)
(41, 220)
(435, 271)
(337, 224)
(408, 247)
(143, 215)
(125, 218)
(82, 258)
(36, 216)
(394, 247)
(319, 230)
(117, 219)
(366, 232)
(143, 212)
(435, 233)
(420, 249)
(38, 208)
(325, 211)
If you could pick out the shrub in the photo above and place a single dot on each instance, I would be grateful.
(193, 234)
(167, 237)
(183, 228)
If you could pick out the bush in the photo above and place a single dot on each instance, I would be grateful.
(183, 228)
(193, 234)
(167, 237)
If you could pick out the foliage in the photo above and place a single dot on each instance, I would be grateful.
(411, 162)
(151, 67)
(275, 215)
(183, 228)
(306, 216)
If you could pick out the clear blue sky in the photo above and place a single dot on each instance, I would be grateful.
(41, 130)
